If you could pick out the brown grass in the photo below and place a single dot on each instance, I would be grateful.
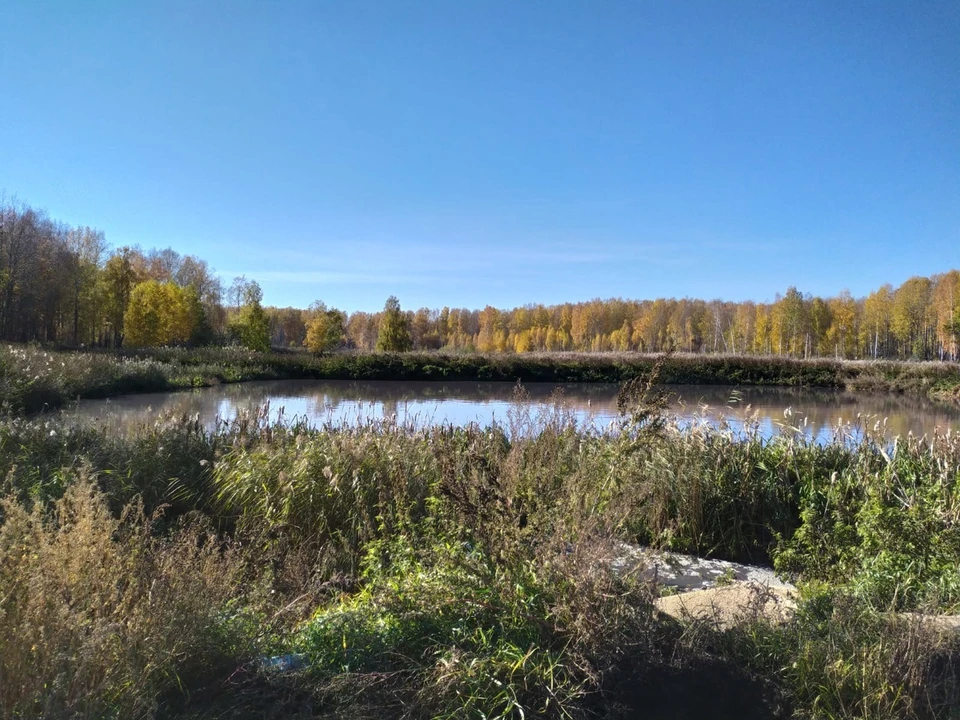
(98, 617)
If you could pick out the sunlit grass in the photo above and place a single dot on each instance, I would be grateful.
(461, 570)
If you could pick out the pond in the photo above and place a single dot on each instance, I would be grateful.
(814, 412)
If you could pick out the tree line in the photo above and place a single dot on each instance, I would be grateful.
(64, 285)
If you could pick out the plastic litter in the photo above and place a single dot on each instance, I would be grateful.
(284, 663)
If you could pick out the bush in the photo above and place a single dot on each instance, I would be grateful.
(887, 525)
(454, 633)
(461, 570)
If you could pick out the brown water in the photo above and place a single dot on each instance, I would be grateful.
(814, 412)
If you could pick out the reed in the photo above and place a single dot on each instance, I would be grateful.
(461, 571)
(98, 616)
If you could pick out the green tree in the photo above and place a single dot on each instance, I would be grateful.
(203, 332)
(194, 273)
(119, 277)
(394, 335)
(250, 325)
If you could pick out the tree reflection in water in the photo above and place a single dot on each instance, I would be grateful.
(814, 412)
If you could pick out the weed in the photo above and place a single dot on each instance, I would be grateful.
(98, 617)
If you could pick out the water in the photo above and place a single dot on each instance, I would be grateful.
(814, 412)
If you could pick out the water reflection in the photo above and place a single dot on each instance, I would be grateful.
(815, 413)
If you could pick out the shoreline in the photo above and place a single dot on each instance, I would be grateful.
(34, 380)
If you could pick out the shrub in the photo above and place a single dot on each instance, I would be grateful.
(887, 525)
(454, 633)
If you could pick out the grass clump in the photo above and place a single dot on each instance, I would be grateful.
(98, 616)
(840, 658)
(32, 379)
(886, 524)
(332, 491)
(166, 463)
(451, 633)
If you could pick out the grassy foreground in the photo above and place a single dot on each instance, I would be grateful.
(32, 380)
(384, 571)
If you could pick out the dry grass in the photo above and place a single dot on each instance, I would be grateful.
(449, 571)
(839, 659)
(100, 618)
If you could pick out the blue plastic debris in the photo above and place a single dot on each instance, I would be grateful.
(284, 663)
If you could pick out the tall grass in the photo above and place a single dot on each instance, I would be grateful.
(460, 571)
(838, 658)
(167, 463)
(886, 522)
(99, 617)
(334, 490)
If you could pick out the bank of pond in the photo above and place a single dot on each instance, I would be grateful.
(33, 379)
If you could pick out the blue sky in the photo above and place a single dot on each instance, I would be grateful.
(464, 153)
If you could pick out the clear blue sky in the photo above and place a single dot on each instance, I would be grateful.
(463, 153)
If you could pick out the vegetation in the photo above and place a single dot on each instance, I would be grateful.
(63, 286)
(465, 572)
(161, 314)
(100, 616)
(32, 379)
(249, 325)
(388, 571)
(324, 329)
(393, 334)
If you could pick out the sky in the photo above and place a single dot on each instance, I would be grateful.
(471, 152)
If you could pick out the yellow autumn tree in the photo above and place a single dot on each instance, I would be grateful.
(842, 332)
(522, 342)
(909, 316)
(762, 324)
(875, 328)
(326, 328)
(946, 306)
(159, 314)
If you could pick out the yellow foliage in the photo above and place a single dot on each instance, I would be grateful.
(159, 314)
(522, 343)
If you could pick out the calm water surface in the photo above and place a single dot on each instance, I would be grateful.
(815, 413)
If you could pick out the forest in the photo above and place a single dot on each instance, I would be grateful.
(64, 286)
